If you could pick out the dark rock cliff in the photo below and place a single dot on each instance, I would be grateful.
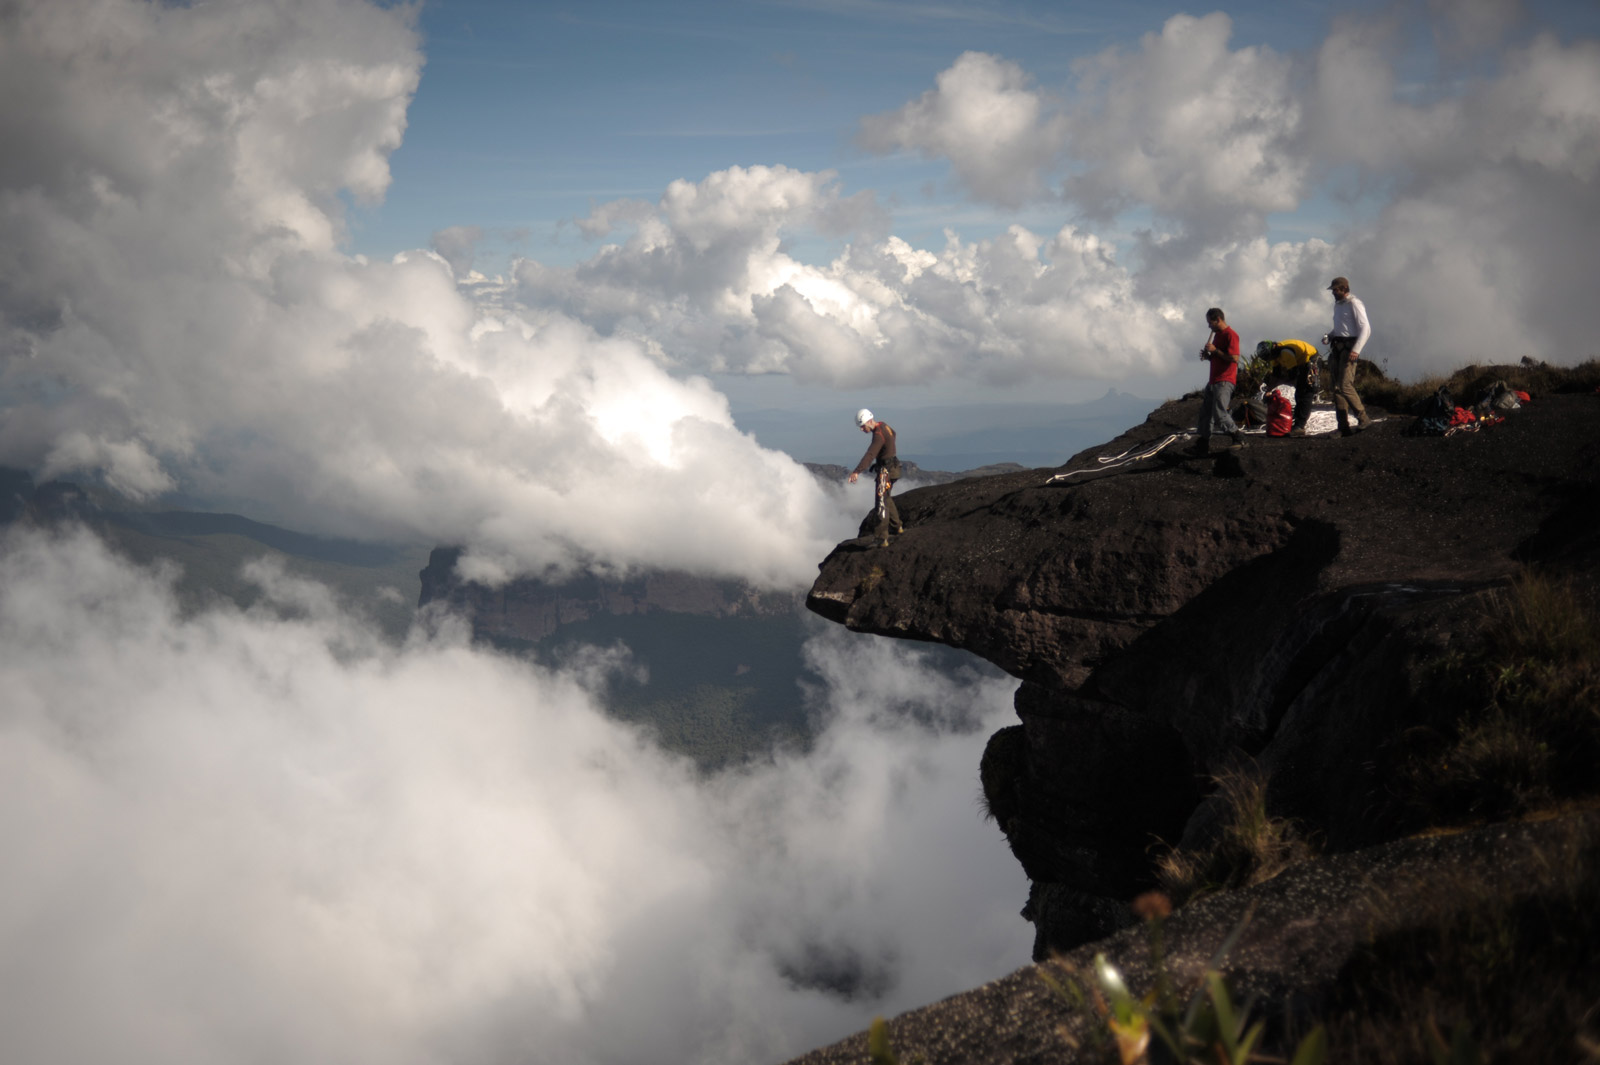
(1173, 618)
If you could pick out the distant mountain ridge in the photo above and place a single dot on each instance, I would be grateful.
(211, 548)
(529, 609)
(723, 657)
(54, 500)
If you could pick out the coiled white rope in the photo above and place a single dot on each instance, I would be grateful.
(1111, 462)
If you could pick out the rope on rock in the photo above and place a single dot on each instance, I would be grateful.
(1111, 462)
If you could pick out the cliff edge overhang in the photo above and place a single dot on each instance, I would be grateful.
(1052, 580)
(1176, 617)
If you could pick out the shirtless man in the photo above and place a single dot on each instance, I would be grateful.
(880, 458)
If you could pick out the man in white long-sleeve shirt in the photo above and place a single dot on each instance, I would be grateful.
(1349, 335)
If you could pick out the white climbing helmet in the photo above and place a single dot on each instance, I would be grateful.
(863, 416)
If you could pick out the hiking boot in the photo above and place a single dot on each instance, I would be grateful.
(898, 529)
(882, 543)
(1363, 422)
(1298, 432)
(1238, 442)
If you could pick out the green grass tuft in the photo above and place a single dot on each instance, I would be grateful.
(1252, 846)
(1484, 972)
(1516, 722)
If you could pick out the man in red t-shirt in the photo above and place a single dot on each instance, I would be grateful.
(1222, 352)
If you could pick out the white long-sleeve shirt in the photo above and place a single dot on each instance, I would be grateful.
(1350, 320)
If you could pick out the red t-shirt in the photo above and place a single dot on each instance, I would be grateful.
(1225, 340)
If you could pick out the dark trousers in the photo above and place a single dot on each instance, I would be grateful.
(1303, 393)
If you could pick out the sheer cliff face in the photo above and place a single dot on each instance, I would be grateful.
(1171, 615)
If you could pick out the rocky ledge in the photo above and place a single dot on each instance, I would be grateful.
(1172, 619)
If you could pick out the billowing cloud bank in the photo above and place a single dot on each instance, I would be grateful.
(239, 838)
(702, 278)
(1467, 219)
(174, 309)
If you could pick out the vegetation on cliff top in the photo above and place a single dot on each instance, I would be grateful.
(1510, 728)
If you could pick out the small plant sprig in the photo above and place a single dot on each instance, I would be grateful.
(1157, 1029)
(879, 1049)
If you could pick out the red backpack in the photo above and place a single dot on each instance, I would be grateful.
(1280, 414)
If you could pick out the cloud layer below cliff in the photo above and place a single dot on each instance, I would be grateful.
(234, 836)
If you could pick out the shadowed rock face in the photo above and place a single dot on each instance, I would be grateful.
(1172, 615)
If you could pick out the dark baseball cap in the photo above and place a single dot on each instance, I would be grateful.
(1339, 282)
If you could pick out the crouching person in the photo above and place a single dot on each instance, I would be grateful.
(1222, 352)
(1292, 361)
(880, 459)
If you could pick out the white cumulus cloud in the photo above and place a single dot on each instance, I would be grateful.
(704, 282)
(999, 133)
(175, 310)
(1189, 128)
(233, 836)
(1469, 185)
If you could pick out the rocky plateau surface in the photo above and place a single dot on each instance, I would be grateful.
(1174, 618)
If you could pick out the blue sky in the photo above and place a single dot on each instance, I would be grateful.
(530, 113)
